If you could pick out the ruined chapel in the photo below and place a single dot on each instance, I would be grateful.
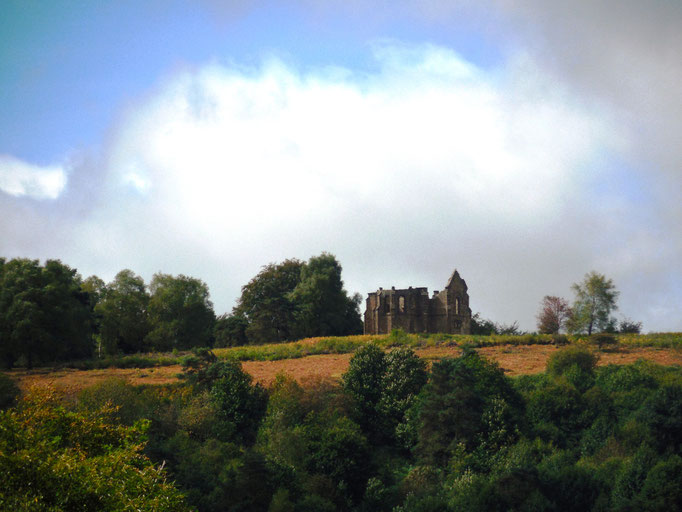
(412, 310)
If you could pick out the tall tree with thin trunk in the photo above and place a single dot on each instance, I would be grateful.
(595, 299)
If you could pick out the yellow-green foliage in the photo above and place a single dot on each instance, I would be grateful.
(55, 459)
(398, 338)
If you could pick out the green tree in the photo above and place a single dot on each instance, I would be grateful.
(483, 326)
(322, 305)
(230, 330)
(95, 288)
(595, 299)
(240, 404)
(383, 387)
(44, 314)
(265, 302)
(469, 404)
(123, 314)
(180, 313)
(54, 459)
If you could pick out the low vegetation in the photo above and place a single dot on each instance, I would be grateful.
(392, 435)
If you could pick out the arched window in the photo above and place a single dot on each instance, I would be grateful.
(457, 306)
(401, 304)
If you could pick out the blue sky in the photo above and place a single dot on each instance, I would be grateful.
(524, 145)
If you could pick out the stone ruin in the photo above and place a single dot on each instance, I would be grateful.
(412, 310)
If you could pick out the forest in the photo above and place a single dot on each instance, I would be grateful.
(392, 435)
(395, 432)
(49, 313)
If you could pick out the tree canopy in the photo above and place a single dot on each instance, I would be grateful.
(294, 299)
(595, 299)
(180, 313)
(44, 314)
(123, 314)
(553, 315)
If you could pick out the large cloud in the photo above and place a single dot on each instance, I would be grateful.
(19, 178)
(424, 163)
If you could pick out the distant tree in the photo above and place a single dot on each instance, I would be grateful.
(44, 314)
(294, 299)
(486, 327)
(628, 326)
(595, 299)
(180, 313)
(230, 330)
(482, 326)
(123, 314)
(266, 304)
(511, 329)
(95, 288)
(554, 312)
(321, 305)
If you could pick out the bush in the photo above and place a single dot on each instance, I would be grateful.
(576, 364)
(9, 392)
(575, 355)
(603, 340)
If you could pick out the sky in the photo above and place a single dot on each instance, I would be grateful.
(522, 143)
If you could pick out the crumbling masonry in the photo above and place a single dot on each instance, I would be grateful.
(413, 311)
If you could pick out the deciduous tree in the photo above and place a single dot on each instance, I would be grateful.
(123, 314)
(595, 299)
(44, 314)
(180, 313)
(266, 304)
(554, 312)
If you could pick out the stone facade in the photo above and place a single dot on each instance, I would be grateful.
(412, 310)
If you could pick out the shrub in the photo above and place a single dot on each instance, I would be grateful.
(662, 413)
(604, 340)
(576, 364)
(9, 392)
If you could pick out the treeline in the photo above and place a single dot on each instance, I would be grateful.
(393, 435)
(48, 313)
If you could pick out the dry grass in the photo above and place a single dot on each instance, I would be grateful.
(514, 359)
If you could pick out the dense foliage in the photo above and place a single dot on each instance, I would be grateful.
(44, 314)
(391, 436)
(292, 300)
(55, 459)
(49, 314)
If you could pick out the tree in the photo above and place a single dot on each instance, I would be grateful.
(265, 302)
(383, 387)
(55, 459)
(482, 325)
(44, 314)
(294, 299)
(180, 313)
(467, 403)
(553, 314)
(230, 330)
(321, 305)
(628, 326)
(595, 299)
(123, 312)
(95, 288)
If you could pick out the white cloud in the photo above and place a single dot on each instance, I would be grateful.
(19, 178)
(403, 172)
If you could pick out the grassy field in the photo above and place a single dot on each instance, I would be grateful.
(513, 359)
(348, 344)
